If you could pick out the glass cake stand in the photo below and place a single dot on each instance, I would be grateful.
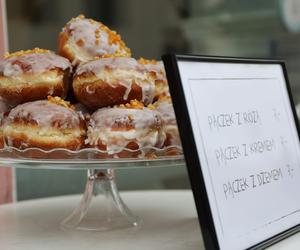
(101, 207)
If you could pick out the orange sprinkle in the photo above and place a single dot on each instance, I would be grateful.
(130, 117)
(24, 52)
(151, 107)
(113, 37)
(146, 61)
(117, 54)
(81, 16)
(162, 98)
(134, 104)
(80, 42)
(59, 101)
(92, 21)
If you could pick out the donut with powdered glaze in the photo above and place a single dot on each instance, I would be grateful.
(83, 39)
(44, 124)
(113, 81)
(33, 75)
(130, 126)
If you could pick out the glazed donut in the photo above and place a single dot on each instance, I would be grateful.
(33, 75)
(128, 126)
(83, 39)
(44, 124)
(112, 81)
(165, 107)
(157, 69)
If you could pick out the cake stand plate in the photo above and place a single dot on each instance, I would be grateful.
(101, 207)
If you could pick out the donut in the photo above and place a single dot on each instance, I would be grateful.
(83, 39)
(44, 124)
(130, 126)
(157, 69)
(113, 81)
(165, 107)
(33, 75)
(4, 108)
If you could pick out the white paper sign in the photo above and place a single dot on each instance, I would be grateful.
(248, 148)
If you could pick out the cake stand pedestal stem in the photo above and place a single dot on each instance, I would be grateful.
(101, 207)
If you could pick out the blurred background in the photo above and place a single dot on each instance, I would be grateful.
(243, 28)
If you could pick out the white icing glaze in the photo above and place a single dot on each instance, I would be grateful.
(96, 66)
(122, 71)
(45, 114)
(32, 63)
(165, 108)
(158, 68)
(83, 31)
(11, 70)
(161, 82)
(146, 128)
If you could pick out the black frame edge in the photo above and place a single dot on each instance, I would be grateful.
(203, 211)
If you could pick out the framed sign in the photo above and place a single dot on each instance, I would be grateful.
(240, 136)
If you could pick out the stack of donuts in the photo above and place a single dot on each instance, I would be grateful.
(91, 94)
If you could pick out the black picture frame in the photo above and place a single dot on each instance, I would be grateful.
(189, 146)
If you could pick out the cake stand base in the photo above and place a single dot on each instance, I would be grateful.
(101, 207)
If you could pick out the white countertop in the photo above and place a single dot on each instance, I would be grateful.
(169, 223)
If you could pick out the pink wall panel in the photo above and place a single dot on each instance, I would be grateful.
(6, 183)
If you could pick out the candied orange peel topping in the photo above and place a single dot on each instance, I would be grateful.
(151, 107)
(146, 61)
(130, 117)
(118, 54)
(59, 101)
(134, 104)
(80, 42)
(114, 37)
(80, 16)
(163, 98)
(24, 52)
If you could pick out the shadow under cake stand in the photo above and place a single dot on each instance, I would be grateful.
(101, 207)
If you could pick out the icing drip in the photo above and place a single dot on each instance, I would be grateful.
(45, 114)
(157, 68)
(148, 90)
(96, 66)
(165, 107)
(32, 63)
(116, 127)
